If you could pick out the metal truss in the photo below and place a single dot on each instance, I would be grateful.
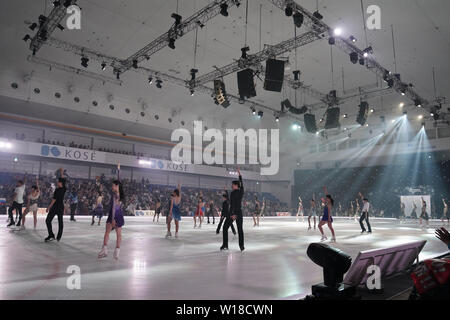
(46, 29)
(205, 90)
(95, 55)
(81, 72)
(198, 19)
(114, 62)
(254, 60)
(348, 47)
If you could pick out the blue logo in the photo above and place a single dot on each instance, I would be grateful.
(46, 150)
(160, 164)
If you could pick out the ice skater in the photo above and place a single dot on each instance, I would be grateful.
(210, 211)
(445, 213)
(263, 207)
(157, 210)
(424, 214)
(199, 213)
(73, 200)
(17, 203)
(402, 212)
(313, 214)
(300, 209)
(256, 213)
(414, 211)
(115, 217)
(327, 218)
(235, 213)
(32, 203)
(225, 212)
(98, 209)
(365, 214)
(56, 208)
(174, 212)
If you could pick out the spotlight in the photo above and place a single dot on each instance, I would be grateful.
(432, 114)
(135, 64)
(177, 18)
(298, 19)
(352, 39)
(418, 103)
(393, 121)
(403, 91)
(103, 66)
(331, 41)
(317, 15)
(200, 24)
(367, 51)
(420, 117)
(401, 105)
(150, 80)
(224, 9)
(288, 11)
(26, 38)
(16, 159)
(158, 83)
(253, 110)
(172, 43)
(337, 31)
(367, 124)
(260, 114)
(354, 57)
(295, 126)
(277, 119)
(372, 111)
(84, 61)
(345, 115)
(321, 120)
(192, 92)
(244, 52)
(33, 26)
(390, 83)
(317, 133)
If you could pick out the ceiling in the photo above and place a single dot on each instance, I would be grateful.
(121, 27)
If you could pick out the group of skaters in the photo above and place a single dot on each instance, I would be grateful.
(231, 210)
(424, 216)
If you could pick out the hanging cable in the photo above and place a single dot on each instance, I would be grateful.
(246, 22)
(364, 23)
(195, 47)
(332, 68)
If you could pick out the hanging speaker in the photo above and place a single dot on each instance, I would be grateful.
(274, 75)
(310, 122)
(246, 85)
(363, 113)
(332, 118)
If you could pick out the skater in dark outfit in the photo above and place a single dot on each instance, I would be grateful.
(235, 213)
(115, 219)
(225, 212)
(56, 208)
(210, 211)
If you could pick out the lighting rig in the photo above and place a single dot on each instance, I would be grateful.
(179, 29)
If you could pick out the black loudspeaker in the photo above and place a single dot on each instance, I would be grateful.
(274, 75)
(246, 86)
(310, 122)
(363, 113)
(332, 118)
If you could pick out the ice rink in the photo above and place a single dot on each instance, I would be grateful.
(273, 266)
